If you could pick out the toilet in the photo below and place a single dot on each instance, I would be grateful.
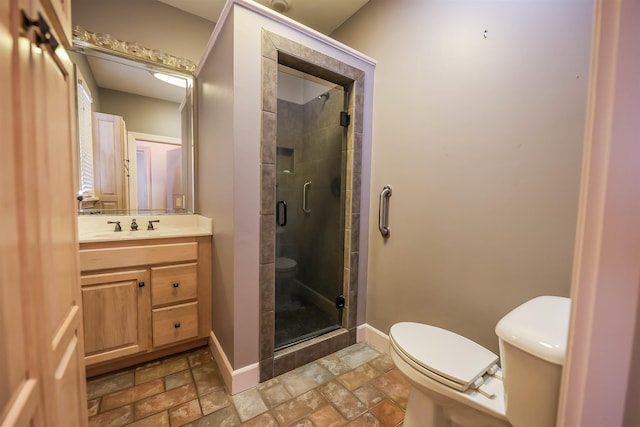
(456, 382)
(286, 270)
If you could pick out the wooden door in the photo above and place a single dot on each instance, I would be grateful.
(116, 307)
(52, 229)
(20, 385)
(59, 12)
(42, 380)
(109, 160)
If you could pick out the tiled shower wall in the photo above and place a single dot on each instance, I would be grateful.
(277, 49)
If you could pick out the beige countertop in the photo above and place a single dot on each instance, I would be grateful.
(95, 228)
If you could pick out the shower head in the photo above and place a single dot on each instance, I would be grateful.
(324, 96)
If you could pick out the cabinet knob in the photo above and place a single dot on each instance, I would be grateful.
(141, 284)
(176, 325)
(176, 284)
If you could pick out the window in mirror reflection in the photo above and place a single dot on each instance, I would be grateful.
(85, 140)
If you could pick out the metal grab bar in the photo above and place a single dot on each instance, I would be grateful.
(305, 190)
(383, 211)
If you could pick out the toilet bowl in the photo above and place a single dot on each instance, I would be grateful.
(286, 270)
(455, 381)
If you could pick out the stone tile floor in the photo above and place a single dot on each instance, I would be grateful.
(356, 386)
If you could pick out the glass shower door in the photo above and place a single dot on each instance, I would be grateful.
(310, 167)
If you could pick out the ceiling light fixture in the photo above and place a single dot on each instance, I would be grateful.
(172, 80)
(281, 5)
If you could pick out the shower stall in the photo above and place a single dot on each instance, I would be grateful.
(312, 137)
(311, 157)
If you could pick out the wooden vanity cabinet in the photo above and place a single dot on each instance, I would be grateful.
(144, 299)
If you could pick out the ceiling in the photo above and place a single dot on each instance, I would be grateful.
(131, 79)
(321, 15)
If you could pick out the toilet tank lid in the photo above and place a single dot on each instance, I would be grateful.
(539, 327)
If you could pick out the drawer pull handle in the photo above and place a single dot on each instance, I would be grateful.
(176, 325)
(141, 284)
(176, 284)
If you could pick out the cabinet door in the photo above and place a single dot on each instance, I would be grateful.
(116, 314)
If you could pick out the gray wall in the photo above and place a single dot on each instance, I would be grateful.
(481, 140)
(143, 114)
(215, 181)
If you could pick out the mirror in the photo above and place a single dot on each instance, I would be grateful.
(134, 134)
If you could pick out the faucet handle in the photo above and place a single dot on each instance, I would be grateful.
(150, 226)
(117, 223)
(134, 225)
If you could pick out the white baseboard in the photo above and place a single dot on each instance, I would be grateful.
(374, 337)
(236, 381)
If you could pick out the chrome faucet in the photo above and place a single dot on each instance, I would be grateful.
(150, 226)
(117, 223)
(134, 225)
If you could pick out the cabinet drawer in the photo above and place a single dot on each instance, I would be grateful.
(174, 283)
(130, 256)
(175, 323)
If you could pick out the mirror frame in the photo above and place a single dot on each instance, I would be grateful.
(188, 72)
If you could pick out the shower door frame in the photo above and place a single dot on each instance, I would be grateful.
(280, 50)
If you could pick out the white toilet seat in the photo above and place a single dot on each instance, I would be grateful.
(440, 354)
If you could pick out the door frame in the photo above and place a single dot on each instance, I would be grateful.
(601, 360)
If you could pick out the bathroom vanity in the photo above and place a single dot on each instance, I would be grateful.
(145, 294)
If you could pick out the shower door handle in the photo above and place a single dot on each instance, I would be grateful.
(305, 191)
(383, 211)
(284, 213)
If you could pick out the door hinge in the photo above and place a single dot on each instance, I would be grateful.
(340, 301)
(345, 119)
